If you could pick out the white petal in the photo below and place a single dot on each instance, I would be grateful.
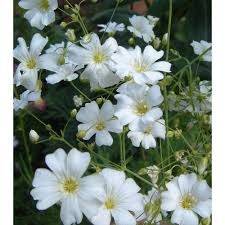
(57, 162)
(123, 217)
(88, 113)
(49, 62)
(103, 138)
(107, 110)
(202, 190)
(153, 115)
(29, 79)
(186, 182)
(21, 51)
(159, 129)
(110, 46)
(48, 18)
(151, 55)
(178, 216)
(102, 218)
(44, 177)
(35, 18)
(77, 162)
(155, 96)
(136, 137)
(26, 4)
(204, 208)
(161, 66)
(189, 218)
(154, 77)
(114, 126)
(37, 44)
(93, 44)
(70, 212)
(54, 78)
(148, 142)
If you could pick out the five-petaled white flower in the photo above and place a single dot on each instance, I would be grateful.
(26, 97)
(119, 199)
(186, 197)
(141, 27)
(200, 47)
(111, 27)
(27, 71)
(98, 121)
(40, 12)
(141, 67)
(139, 104)
(97, 57)
(145, 133)
(65, 185)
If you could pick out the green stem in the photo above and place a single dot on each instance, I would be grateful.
(76, 88)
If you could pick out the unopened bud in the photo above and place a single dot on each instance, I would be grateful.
(170, 134)
(99, 101)
(205, 221)
(86, 38)
(48, 127)
(66, 7)
(165, 39)
(38, 85)
(70, 35)
(156, 42)
(34, 137)
(73, 113)
(81, 134)
(131, 41)
(177, 133)
(74, 17)
(94, 1)
(63, 24)
(202, 165)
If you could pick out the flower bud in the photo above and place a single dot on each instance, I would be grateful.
(153, 173)
(99, 101)
(61, 60)
(73, 113)
(78, 101)
(94, 1)
(142, 171)
(34, 137)
(170, 134)
(202, 165)
(48, 127)
(86, 38)
(66, 7)
(81, 134)
(156, 42)
(63, 24)
(205, 221)
(131, 41)
(70, 35)
(177, 133)
(165, 39)
(74, 17)
(38, 85)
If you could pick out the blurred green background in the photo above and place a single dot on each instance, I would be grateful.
(191, 21)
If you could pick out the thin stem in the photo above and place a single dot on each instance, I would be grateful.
(76, 88)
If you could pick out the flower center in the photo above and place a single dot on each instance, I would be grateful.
(100, 125)
(70, 185)
(141, 109)
(140, 67)
(109, 203)
(98, 57)
(31, 63)
(44, 4)
(148, 130)
(188, 201)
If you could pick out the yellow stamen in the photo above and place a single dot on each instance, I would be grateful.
(31, 63)
(188, 201)
(109, 204)
(44, 5)
(141, 109)
(98, 57)
(70, 185)
(100, 126)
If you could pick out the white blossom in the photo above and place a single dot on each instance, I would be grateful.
(40, 13)
(200, 47)
(143, 68)
(64, 184)
(119, 199)
(97, 57)
(26, 97)
(139, 104)
(29, 58)
(141, 27)
(34, 137)
(98, 121)
(187, 197)
(111, 27)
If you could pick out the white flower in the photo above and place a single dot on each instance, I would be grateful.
(64, 184)
(78, 101)
(138, 104)
(65, 72)
(141, 28)
(200, 47)
(141, 67)
(152, 20)
(97, 57)
(186, 197)
(34, 137)
(40, 12)
(111, 27)
(119, 199)
(99, 121)
(25, 97)
(29, 58)
(145, 133)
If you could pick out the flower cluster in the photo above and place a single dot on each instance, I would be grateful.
(134, 106)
